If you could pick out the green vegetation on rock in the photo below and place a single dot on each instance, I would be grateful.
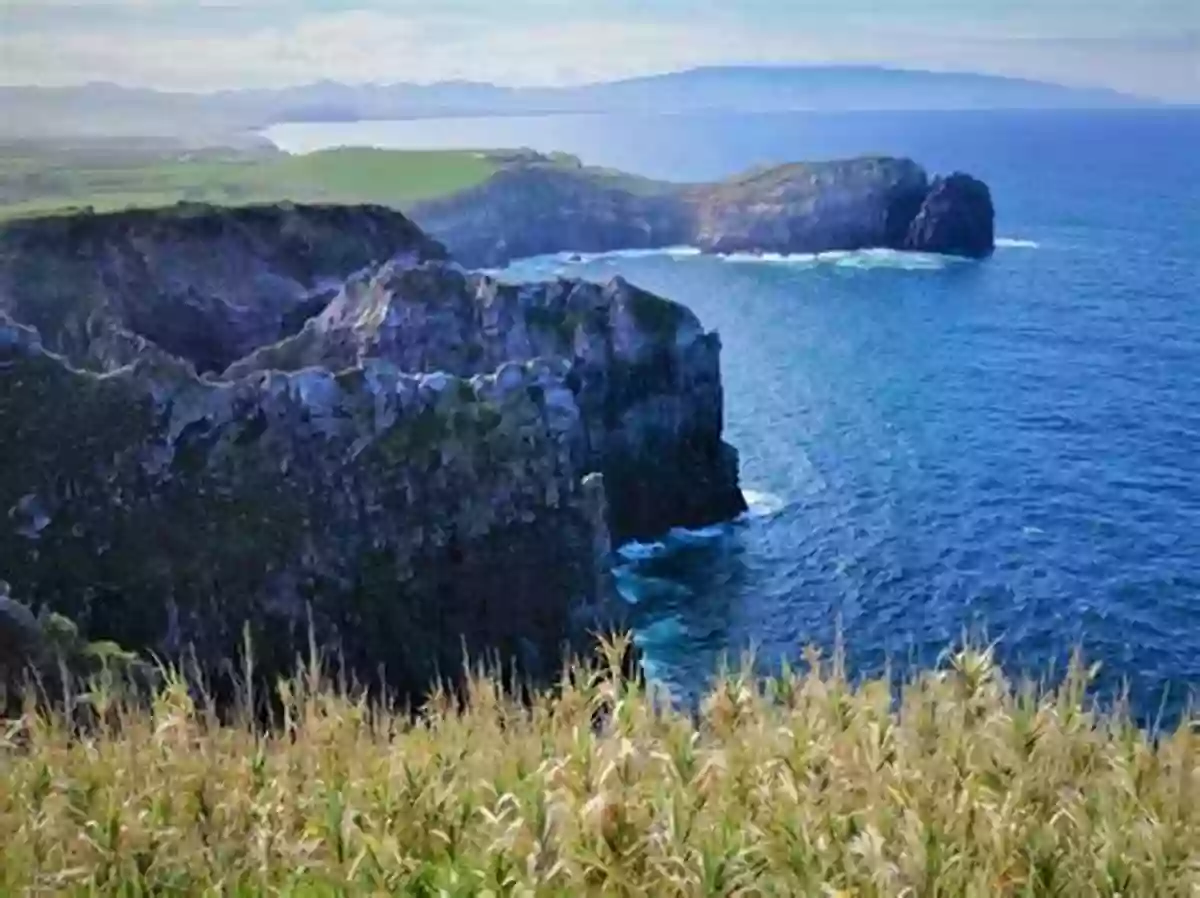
(38, 651)
(805, 784)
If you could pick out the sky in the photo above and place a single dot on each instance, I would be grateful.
(1148, 47)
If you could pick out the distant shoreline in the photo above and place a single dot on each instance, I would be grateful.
(271, 133)
(191, 117)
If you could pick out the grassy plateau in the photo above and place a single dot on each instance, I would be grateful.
(37, 179)
(957, 783)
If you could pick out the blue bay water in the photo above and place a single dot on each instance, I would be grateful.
(932, 447)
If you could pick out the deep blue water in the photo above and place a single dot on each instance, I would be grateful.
(1006, 448)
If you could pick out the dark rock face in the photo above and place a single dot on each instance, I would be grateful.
(956, 218)
(20, 641)
(205, 284)
(536, 207)
(531, 208)
(435, 459)
(408, 512)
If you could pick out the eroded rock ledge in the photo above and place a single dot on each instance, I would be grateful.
(537, 205)
(419, 457)
(644, 373)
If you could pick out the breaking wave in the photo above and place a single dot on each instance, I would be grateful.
(1016, 243)
(634, 588)
(559, 264)
(635, 551)
(861, 258)
(676, 252)
(856, 259)
(699, 536)
(762, 504)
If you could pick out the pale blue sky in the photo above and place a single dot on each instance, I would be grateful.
(1144, 46)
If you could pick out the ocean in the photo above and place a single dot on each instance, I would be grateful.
(933, 449)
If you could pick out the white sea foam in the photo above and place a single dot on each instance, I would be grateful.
(797, 259)
(561, 264)
(626, 583)
(862, 259)
(1016, 243)
(675, 252)
(634, 588)
(667, 629)
(762, 504)
(636, 551)
(890, 258)
(698, 536)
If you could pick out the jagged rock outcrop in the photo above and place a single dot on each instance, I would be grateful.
(205, 285)
(412, 513)
(645, 374)
(432, 462)
(21, 643)
(540, 205)
(847, 204)
(956, 218)
(533, 207)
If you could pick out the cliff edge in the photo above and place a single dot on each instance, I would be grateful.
(368, 438)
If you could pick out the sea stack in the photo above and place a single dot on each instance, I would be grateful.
(957, 218)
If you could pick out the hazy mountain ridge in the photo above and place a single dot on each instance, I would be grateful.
(109, 109)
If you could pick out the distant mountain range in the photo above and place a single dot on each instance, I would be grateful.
(109, 110)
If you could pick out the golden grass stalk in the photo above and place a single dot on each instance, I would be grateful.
(958, 783)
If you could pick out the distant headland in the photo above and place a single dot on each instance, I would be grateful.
(490, 207)
(535, 205)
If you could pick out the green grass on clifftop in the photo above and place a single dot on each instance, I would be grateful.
(36, 179)
(802, 785)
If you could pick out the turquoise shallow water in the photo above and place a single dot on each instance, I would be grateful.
(935, 447)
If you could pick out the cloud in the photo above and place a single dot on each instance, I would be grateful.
(366, 45)
(204, 44)
(28, 7)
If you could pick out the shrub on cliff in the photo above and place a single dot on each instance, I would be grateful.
(45, 655)
(805, 784)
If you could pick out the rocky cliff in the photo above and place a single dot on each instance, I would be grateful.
(538, 205)
(956, 217)
(430, 459)
(207, 287)
(644, 372)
